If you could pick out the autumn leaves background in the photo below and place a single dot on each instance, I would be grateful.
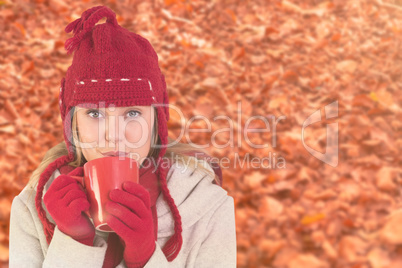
(279, 58)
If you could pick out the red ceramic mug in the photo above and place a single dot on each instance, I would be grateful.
(102, 175)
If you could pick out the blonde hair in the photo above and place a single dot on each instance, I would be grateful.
(175, 152)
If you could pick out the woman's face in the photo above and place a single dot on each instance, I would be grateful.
(124, 129)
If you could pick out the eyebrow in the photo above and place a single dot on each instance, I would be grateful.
(104, 109)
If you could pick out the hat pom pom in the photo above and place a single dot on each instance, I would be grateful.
(77, 25)
(73, 26)
(71, 44)
(84, 24)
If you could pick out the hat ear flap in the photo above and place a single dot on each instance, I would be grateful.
(165, 98)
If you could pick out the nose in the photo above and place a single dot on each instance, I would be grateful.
(114, 129)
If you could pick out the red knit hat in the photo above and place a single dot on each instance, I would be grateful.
(111, 65)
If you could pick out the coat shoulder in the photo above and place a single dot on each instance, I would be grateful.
(189, 167)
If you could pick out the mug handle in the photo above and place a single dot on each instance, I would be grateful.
(81, 182)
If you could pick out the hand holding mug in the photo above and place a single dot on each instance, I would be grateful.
(66, 200)
(101, 176)
(130, 216)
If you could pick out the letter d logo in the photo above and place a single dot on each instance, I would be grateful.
(330, 156)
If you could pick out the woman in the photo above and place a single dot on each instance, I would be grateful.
(176, 216)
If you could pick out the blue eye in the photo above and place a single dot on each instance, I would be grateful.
(134, 111)
(93, 112)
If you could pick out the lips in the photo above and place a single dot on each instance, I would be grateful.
(115, 153)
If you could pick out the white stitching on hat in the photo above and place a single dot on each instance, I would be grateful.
(108, 80)
(60, 89)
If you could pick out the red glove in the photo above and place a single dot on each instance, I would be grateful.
(130, 217)
(66, 200)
